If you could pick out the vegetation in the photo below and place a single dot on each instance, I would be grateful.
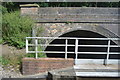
(3, 61)
(79, 4)
(40, 55)
(10, 6)
(12, 61)
(15, 28)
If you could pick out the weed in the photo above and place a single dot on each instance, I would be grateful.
(4, 61)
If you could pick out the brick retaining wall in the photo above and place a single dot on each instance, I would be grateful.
(33, 66)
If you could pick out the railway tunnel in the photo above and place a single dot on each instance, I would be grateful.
(82, 34)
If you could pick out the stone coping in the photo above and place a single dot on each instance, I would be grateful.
(29, 5)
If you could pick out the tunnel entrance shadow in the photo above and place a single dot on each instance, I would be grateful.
(81, 34)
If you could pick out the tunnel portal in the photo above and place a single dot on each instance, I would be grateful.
(81, 34)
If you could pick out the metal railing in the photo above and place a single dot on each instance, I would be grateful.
(66, 45)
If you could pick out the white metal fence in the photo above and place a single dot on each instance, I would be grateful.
(66, 45)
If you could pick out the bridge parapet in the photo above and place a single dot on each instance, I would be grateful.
(71, 14)
(51, 19)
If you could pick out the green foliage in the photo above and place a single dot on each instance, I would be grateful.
(11, 6)
(3, 9)
(3, 61)
(15, 28)
(11, 59)
(1, 41)
(40, 55)
(43, 55)
(32, 55)
(79, 4)
(43, 4)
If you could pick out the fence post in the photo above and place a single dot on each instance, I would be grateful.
(26, 45)
(76, 48)
(36, 48)
(108, 51)
(66, 42)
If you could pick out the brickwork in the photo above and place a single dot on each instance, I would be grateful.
(33, 66)
(73, 18)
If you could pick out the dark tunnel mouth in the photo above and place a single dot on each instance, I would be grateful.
(81, 34)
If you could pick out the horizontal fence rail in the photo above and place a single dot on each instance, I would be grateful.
(35, 43)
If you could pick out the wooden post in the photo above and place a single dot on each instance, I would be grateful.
(66, 42)
(36, 48)
(76, 48)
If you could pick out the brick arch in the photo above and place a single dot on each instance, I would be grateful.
(93, 31)
(96, 29)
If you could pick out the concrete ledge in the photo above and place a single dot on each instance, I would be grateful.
(96, 61)
(62, 74)
(29, 5)
(97, 70)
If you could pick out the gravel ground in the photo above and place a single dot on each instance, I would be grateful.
(13, 74)
(9, 70)
(9, 73)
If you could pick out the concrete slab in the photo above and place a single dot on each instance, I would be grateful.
(97, 70)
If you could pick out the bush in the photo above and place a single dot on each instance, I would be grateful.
(3, 61)
(3, 9)
(15, 28)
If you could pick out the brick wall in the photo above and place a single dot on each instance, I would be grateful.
(33, 66)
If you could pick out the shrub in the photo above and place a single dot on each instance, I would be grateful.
(3, 61)
(15, 28)
(3, 9)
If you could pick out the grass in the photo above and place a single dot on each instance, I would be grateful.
(1, 41)
(4, 61)
(11, 59)
(15, 60)
(32, 55)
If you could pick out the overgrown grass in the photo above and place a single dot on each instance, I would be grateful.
(16, 59)
(4, 61)
(1, 41)
(13, 60)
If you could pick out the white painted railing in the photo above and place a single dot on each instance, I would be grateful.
(36, 44)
